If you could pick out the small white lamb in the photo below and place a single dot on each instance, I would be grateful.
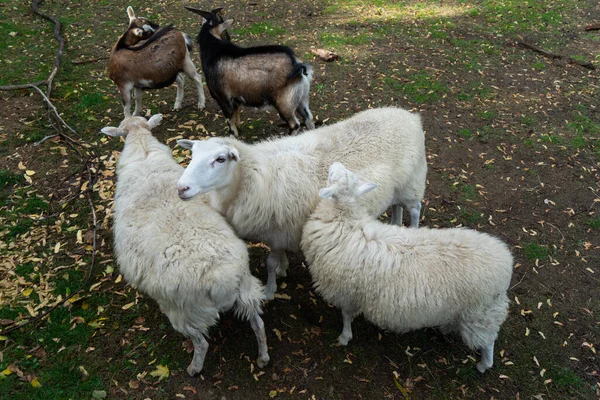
(268, 190)
(403, 279)
(183, 255)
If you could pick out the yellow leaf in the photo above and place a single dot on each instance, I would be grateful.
(30, 172)
(35, 383)
(27, 292)
(278, 333)
(79, 236)
(57, 248)
(3, 337)
(272, 393)
(119, 278)
(74, 298)
(128, 305)
(7, 372)
(161, 371)
(21, 166)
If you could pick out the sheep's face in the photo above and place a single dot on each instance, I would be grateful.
(343, 184)
(211, 167)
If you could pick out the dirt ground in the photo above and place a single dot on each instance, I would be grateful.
(512, 148)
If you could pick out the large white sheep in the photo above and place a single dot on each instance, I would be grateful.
(183, 255)
(403, 279)
(268, 190)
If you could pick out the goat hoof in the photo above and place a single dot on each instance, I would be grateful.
(262, 362)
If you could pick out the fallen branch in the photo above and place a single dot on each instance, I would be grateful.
(79, 62)
(548, 54)
(73, 143)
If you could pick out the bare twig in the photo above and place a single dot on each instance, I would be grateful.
(593, 27)
(548, 54)
(80, 62)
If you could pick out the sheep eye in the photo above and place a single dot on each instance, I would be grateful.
(220, 160)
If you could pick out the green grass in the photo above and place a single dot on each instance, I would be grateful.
(260, 28)
(594, 223)
(465, 133)
(534, 251)
(339, 40)
(420, 89)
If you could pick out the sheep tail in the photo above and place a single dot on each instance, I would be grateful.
(300, 68)
(250, 297)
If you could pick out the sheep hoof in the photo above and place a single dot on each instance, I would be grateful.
(281, 273)
(262, 362)
(269, 295)
(193, 370)
(481, 367)
(201, 106)
(343, 341)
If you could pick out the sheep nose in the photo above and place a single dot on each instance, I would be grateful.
(181, 191)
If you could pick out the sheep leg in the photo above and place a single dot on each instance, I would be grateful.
(397, 215)
(179, 98)
(415, 215)
(200, 350)
(487, 357)
(190, 70)
(138, 101)
(346, 334)
(274, 260)
(125, 91)
(306, 115)
(258, 327)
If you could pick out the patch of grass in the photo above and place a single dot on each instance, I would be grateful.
(471, 217)
(534, 251)
(8, 178)
(465, 133)
(565, 378)
(260, 28)
(594, 223)
(487, 114)
(552, 139)
(528, 120)
(336, 40)
(540, 66)
(422, 88)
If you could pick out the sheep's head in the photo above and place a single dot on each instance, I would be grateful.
(214, 22)
(212, 165)
(140, 28)
(343, 184)
(131, 123)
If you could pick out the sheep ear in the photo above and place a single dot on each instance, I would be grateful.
(326, 193)
(234, 154)
(154, 121)
(130, 13)
(365, 188)
(185, 143)
(112, 131)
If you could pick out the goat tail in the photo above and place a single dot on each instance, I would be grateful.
(251, 294)
(300, 68)
(188, 42)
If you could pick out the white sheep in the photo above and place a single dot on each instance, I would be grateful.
(403, 279)
(268, 190)
(183, 255)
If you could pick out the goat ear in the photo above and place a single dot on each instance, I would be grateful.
(154, 121)
(130, 13)
(185, 143)
(112, 131)
(207, 15)
(138, 32)
(226, 25)
(365, 188)
(234, 154)
(327, 193)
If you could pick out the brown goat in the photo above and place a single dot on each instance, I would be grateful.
(154, 64)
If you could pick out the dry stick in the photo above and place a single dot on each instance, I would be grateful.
(72, 143)
(593, 27)
(548, 54)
